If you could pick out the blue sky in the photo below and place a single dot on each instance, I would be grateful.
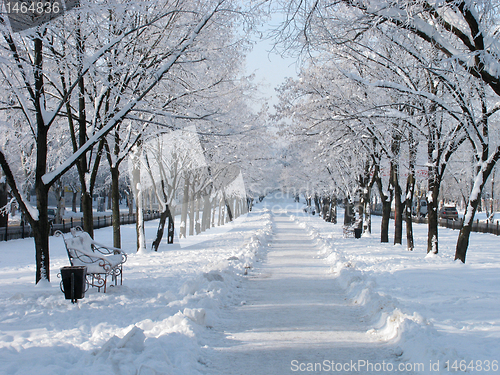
(270, 69)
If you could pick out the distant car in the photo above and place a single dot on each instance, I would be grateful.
(51, 214)
(448, 213)
(423, 208)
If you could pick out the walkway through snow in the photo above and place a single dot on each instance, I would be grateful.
(293, 315)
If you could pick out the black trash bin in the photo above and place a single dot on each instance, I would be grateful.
(357, 232)
(74, 282)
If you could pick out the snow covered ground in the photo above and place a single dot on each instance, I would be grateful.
(278, 293)
(440, 313)
(149, 325)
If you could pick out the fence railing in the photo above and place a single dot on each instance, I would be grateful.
(477, 226)
(23, 231)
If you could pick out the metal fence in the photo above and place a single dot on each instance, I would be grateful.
(24, 231)
(477, 226)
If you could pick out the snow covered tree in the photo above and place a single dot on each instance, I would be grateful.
(32, 84)
(464, 33)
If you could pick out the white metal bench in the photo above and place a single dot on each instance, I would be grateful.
(101, 261)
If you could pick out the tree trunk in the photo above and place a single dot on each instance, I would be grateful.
(434, 155)
(432, 223)
(115, 206)
(171, 224)
(398, 212)
(325, 206)
(139, 211)
(130, 203)
(41, 236)
(82, 166)
(3, 202)
(386, 216)
(221, 212)
(197, 223)
(59, 193)
(386, 206)
(243, 206)
(165, 215)
(161, 228)
(88, 215)
(472, 206)
(491, 217)
(236, 206)
(398, 206)
(348, 214)
(333, 209)
(361, 212)
(41, 226)
(151, 197)
(184, 209)
(410, 190)
(74, 200)
(419, 205)
(316, 204)
(367, 209)
(432, 212)
(192, 209)
(214, 209)
(110, 198)
(137, 191)
(228, 208)
(207, 213)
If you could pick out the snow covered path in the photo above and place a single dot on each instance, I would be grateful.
(293, 315)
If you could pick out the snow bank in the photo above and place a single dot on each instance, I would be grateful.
(414, 301)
